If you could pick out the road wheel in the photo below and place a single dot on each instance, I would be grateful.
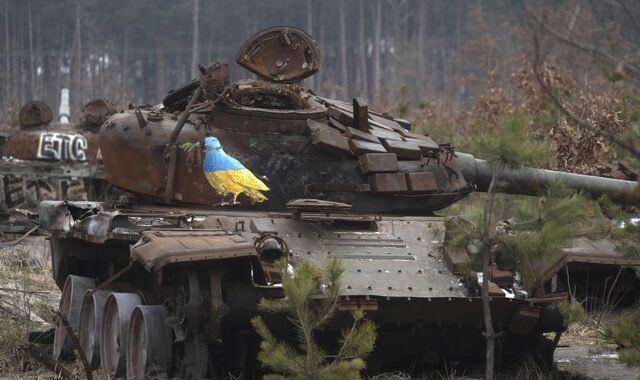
(72, 295)
(90, 323)
(114, 332)
(150, 343)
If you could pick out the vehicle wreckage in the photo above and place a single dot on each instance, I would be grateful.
(45, 160)
(228, 177)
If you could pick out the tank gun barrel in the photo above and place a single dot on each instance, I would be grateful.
(530, 181)
(64, 111)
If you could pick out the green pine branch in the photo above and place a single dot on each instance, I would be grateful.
(311, 297)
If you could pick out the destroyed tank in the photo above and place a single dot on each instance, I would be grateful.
(44, 160)
(227, 177)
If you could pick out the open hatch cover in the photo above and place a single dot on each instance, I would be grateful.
(282, 54)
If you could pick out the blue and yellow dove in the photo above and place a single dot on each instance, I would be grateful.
(227, 175)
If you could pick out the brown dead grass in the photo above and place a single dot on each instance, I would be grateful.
(27, 294)
(588, 333)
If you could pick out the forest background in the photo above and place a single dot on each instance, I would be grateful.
(447, 65)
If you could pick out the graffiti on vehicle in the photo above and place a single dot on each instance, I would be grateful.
(20, 192)
(62, 146)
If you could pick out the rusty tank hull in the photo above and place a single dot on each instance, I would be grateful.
(210, 268)
(227, 176)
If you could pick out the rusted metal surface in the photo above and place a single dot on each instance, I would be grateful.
(114, 332)
(41, 170)
(360, 114)
(284, 158)
(159, 248)
(583, 250)
(40, 140)
(369, 245)
(149, 343)
(52, 144)
(378, 163)
(35, 113)
(53, 161)
(281, 54)
(94, 113)
(23, 184)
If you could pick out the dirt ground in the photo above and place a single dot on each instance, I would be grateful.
(28, 293)
(584, 352)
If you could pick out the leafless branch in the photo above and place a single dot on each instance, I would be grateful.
(631, 71)
(49, 362)
(24, 291)
(585, 125)
(8, 244)
(631, 14)
(76, 345)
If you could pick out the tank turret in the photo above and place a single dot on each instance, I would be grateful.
(49, 158)
(297, 144)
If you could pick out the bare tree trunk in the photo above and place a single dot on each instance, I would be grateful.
(195, 53)
(396, 43)
(322, 74)
(489, 334)
(7, 86)
(221, 28)
(344, 77)
(61, 79)
(179, 68)
(76, 94)
(19, 62)
(311, 81)
(362, 52)
(212, 33)
(422, 38)
(32, 77)
(125, 67)
(160, 70)
(377, 31)
(488, 322)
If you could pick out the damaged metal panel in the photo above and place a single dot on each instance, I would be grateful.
(44, 169)
(356, 134)
(583, 250)
(280, 54)
(327, 138)
(378, 163)
(423, 182)
(403, 149)
(60, 216)
(360, 147)
(388, 257)
(388, 183)
(158, 248)
(525, 320)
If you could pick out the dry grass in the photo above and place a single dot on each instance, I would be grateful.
(27, 294)
(588, 333)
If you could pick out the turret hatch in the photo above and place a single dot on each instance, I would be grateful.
(280, 54)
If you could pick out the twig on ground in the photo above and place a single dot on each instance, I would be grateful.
(8, 244)
(46, 359)
(76, 345)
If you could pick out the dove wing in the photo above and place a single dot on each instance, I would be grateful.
(245, 177)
